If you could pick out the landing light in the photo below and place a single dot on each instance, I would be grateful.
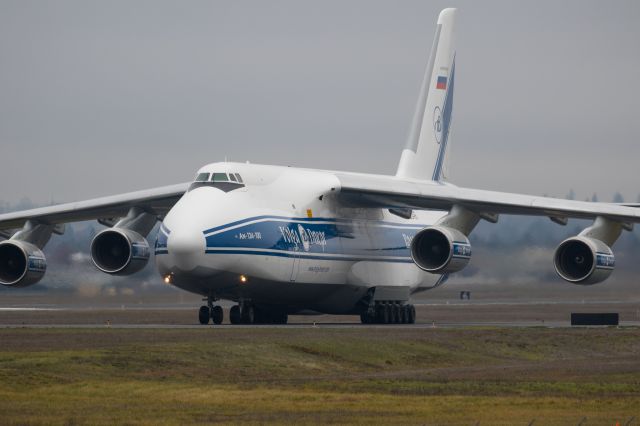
(243, 279)
(168, 279)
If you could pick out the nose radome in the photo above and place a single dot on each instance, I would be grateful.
(186, 245)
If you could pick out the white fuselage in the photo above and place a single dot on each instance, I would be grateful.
(280, 239)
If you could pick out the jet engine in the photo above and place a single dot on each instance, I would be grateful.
(119, 251)
(439, 249)
(21, 264)
(583, 260)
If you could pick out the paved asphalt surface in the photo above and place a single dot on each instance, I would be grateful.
(429, 315)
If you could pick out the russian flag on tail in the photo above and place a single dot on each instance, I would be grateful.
(441, 83)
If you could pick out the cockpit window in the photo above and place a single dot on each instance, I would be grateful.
(219, 177)
(223, 181)
(202, 177)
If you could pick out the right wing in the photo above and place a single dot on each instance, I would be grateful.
(363, 190)
(156, 201)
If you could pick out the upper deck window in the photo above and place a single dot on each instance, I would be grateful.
(219, 177)
(202, 177)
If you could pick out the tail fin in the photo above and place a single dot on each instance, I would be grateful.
(424, 155)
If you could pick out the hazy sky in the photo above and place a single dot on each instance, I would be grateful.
(106, 97)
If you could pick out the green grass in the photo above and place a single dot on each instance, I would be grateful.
(365, 375)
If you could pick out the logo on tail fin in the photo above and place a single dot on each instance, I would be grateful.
(437, 124)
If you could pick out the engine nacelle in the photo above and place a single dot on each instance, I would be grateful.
(119, 251)
(439, 249)
(584, 261)
(21, 264)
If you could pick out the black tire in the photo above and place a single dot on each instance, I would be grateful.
(379, 314)
(234, 315)
(397, 318)
(386, 314)
(412, 314)
(403, 314)
(217, 314)
(371, 317)
(364, 318)
(248, 314)
(204, 315)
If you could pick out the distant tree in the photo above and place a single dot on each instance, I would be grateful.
(594, 198)
(618, 198)
(571, 195)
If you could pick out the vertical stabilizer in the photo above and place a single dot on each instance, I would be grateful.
(425, 153)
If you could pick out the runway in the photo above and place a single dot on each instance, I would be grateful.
(429, 315)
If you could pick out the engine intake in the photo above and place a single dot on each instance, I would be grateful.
(21, 264)
(119, 251)
(584, 261)
(439, 249)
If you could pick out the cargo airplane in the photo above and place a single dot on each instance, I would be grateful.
(284, 240)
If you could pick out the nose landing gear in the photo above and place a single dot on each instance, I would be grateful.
(210, 312)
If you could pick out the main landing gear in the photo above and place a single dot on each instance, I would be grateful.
(210, 312)
(243, 313)
(389, 313)
(246, 313)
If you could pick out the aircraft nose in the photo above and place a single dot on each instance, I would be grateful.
(186, 245)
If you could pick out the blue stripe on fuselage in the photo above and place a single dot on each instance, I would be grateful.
(302, 237)
(309, 219)
(309, 238)
(324, 238)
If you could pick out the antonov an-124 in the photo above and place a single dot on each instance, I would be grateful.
(282, 240)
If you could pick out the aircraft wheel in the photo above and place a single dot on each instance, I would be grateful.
(396, 313)
(386, 314)
(364, 318)
(217, 314)
(282, 318)
(234, 315)
(262, 317)
(412, 314)
(248, 314)
(403, 314)
(379, 314)
(203, 315)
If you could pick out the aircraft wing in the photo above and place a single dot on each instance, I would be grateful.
(393, 192)
(156, 201)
